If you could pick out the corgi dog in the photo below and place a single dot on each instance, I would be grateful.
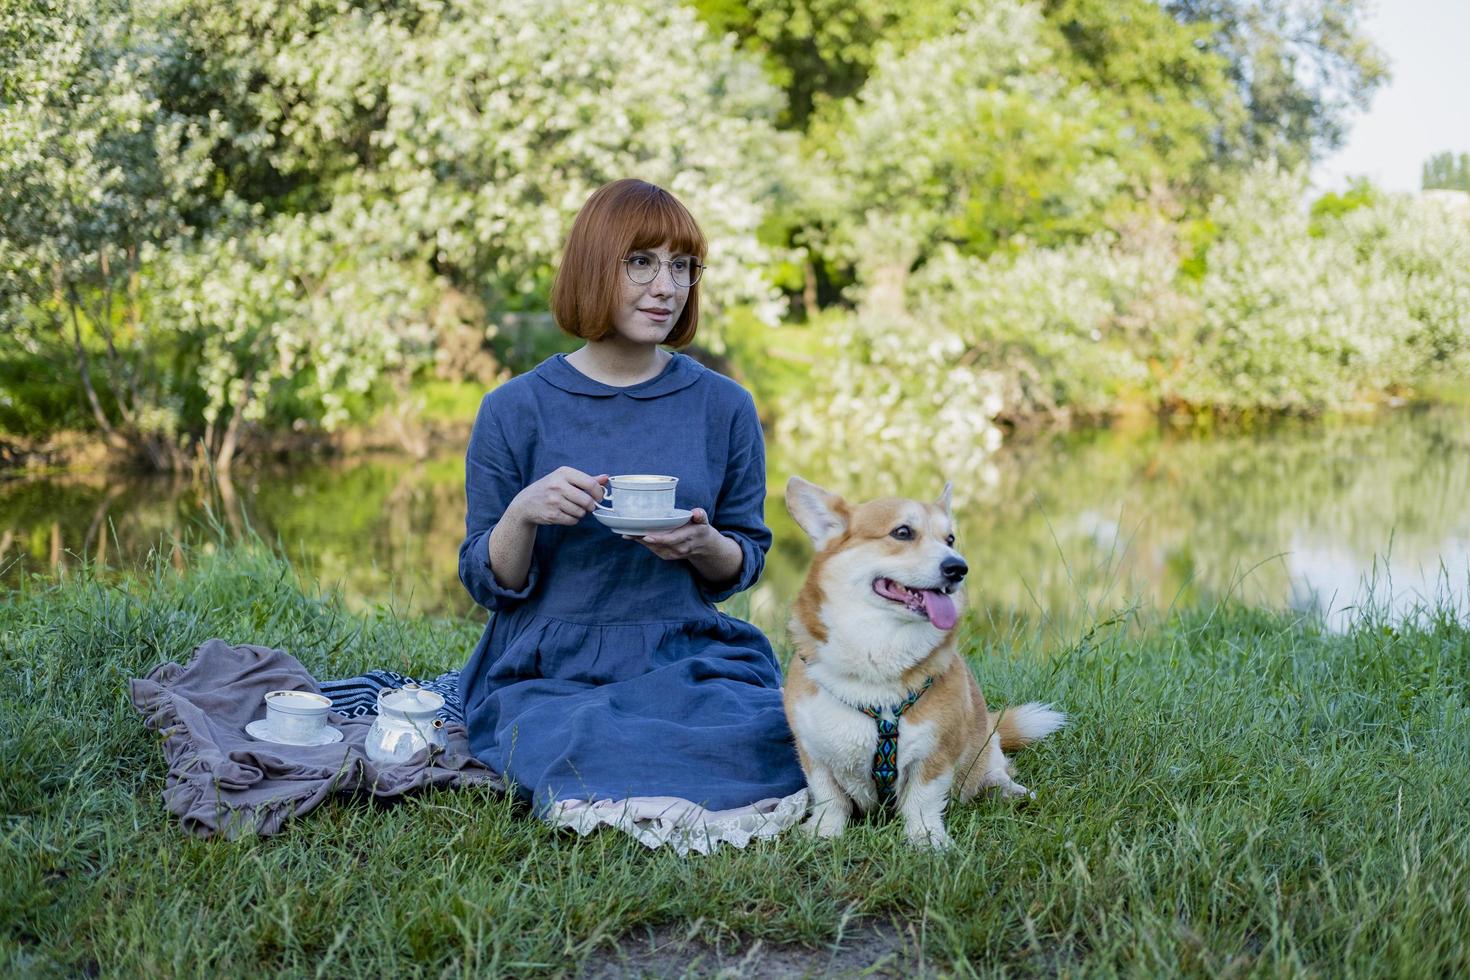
(883, 707)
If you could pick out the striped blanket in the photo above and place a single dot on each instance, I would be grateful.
(354, 697)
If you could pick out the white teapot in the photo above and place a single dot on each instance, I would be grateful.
(406, 722)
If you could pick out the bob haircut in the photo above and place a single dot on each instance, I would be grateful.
(621, 217)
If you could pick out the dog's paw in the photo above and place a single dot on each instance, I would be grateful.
(1006, 788)
(937, 839)
(819, 825)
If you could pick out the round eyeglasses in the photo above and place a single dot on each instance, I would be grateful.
(643, 268)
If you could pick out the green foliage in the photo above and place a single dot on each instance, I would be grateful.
(1360, 193)
(1446, 171)
(448, 401)
(1161, 78)
(36, 395)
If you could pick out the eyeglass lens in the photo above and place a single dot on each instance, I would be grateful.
(643, 268)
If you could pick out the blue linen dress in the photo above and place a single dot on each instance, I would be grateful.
(611, 674)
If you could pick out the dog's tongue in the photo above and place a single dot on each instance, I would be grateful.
(939, 608)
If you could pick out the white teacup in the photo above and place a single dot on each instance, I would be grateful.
(640, 495)
(296, 716)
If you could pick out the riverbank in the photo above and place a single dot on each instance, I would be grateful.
(391, 434)
(1241, 791)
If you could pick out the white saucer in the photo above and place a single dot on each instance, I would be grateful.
(259, 729)
(636, 527)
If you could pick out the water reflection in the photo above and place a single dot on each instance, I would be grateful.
(1056, 529)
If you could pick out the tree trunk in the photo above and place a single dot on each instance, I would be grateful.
(114, 439)
(225, 458)
(809, 288)
(229, 501)
(127, 401)
(231, 441)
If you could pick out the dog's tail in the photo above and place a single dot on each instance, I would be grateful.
(1022, 724)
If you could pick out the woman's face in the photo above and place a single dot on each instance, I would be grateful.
(646, 313)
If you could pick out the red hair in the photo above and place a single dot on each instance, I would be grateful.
(619, 218)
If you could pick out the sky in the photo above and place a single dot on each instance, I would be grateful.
(1424, 108)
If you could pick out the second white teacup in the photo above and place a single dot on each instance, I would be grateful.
(640, 495)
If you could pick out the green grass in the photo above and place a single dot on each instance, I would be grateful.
(1240, 793)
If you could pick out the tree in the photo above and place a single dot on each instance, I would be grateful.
(973, 139)
(821, 51)
(1446, 171)
(1300, 66)
(1161, 77)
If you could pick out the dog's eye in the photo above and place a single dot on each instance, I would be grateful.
(949, 540)
(903, 532)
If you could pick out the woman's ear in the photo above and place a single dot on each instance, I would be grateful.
(822, 515)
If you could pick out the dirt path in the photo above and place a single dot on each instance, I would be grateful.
(869, 949)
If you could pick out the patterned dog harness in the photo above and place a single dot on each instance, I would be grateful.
(885, 758)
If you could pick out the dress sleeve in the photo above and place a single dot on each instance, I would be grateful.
(492, 479)
(740, 511)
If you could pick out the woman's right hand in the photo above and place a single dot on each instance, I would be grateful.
(563, 496)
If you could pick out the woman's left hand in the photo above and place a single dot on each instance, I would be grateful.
(715, 557)
(695, 540)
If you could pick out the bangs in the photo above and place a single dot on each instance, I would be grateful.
(659, 219)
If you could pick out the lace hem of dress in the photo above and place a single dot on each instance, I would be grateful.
(658, 821)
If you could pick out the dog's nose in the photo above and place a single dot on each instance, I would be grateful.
(953, 569)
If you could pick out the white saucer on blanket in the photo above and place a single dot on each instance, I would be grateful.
(261, 730)
(636, 527)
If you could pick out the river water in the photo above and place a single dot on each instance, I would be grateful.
(1065, 530)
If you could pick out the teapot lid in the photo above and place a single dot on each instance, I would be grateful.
(410, 700)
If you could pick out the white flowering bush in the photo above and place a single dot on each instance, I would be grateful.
(1421, 245)
(892, 398)
(1289, 321)
(96, 169)
(1049, 331)
(252, 208)
(1070, 328)
(1296, 321)
(287, 324)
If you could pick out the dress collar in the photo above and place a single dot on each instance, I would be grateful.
(681, 372)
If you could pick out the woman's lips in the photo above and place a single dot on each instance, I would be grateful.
(659, 315)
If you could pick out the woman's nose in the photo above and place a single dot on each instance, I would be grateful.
(663, 281)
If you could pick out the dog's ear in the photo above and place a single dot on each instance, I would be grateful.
(822, 515)
(947, 497)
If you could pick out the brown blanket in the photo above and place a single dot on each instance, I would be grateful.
(222, 781)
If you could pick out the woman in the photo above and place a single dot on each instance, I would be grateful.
(607, 686)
